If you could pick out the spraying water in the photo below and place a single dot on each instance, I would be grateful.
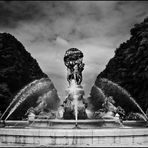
(73, 90)
(15, 98)
(37, 87)
(76, 108)
(112, 89)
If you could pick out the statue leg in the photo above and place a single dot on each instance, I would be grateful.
(79, 79)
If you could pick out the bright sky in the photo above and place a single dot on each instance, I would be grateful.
(47, 29)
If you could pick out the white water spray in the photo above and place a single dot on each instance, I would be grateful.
(74, 91)
(42, 85)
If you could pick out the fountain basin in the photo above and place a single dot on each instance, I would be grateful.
(63, 133)
(73, 137)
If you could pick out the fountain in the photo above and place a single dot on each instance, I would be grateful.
(73, 122)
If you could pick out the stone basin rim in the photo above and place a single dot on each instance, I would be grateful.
(72, 121)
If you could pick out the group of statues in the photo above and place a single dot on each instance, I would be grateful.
(73, 60)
